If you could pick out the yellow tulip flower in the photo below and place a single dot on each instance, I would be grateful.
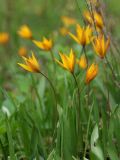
(82, 62)
(25, 32)
(100, 45)
(31, 64)
(46, 44)
(68, 62)
(4, 37)
(83, 35)
(97, 18)
(91, 73)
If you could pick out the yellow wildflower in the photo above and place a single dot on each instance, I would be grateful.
(46, 44)
(4, 37)
(67, 21)
(83, 35)
(91, 73)
(31, 64)
(68, 62)
(82, 62)
(88, 17)
(25, 32)
(101, 46)
(97, 18)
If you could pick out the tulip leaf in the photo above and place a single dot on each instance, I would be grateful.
(95, 148)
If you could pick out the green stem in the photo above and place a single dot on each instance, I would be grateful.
(53, 92)
(88, 127)
(33, 81)
(84, 50)
(78, 91)
(78, 109)
(106, 84)
(37, 94)
(78, 95)
(80, 11)
(52, 56)
(88, 94)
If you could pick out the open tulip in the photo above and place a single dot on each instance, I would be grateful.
(46, 44)
(82, 62)
(83, 35)
(91, 73)
(68, 62)
(100, 45)
(97, 18)
(31, 64)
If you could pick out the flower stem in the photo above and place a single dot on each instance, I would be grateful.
(80, 11)
(84, 50)
(53, 92)
(77, 87)
(106, 84)
(88, 126)
(52, 57)
(33, 81)
(37, 94)
(78, 94)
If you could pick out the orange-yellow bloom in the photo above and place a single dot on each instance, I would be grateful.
(4, 37)
(101, 46)
(97, 18)
(31, 64)
(22, 51)
(88, 17)
(67, 21)
(46, 44)
(25, 32)
(68, 62)
(91, 73)
(82, 62)
(83, 35)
